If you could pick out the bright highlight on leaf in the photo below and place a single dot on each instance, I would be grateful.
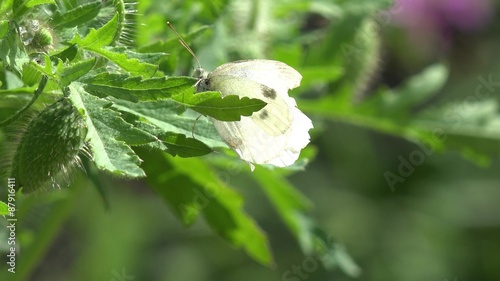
(4, 209)
(137, 89)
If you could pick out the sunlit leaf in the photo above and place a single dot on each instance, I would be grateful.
(138, 89)
(228, 108)
(97, 40)
(109, 136)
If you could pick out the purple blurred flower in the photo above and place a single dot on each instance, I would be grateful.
(443, 16)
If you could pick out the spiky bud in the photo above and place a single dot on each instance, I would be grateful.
(49, 147)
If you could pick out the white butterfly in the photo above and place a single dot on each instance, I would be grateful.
(273, 135)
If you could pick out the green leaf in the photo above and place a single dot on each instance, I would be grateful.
(12, 51)
(5, 5)
(26, 106)
(137, 89)
(76, 16)
(415, 90)
(68, 74)
(4, 28)
(109, 136)
(165, 116)
(151, 57)
(100, 38)
(97, 40)
(333, 254)
(293, 207)
(290, 204)
(313, 75)
(191, 188)
(33, 3)
(4, 209)
(64, 74)
(182, 146)
(12, 81)
(68, 53)
(228, 108)
(22, 90)
(471, 127)
(133, 66)
(46, 68)
(23, 6)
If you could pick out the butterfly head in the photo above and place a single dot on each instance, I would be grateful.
(203, 81)
(200, 73)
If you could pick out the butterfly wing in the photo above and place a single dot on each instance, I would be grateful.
(277, 133)
(273, 74)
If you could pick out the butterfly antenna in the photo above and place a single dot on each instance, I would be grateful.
(194, 125)
(184, 44)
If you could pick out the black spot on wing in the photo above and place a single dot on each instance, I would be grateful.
(268, 92)
(263, 114)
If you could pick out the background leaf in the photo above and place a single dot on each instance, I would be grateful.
(190, 194)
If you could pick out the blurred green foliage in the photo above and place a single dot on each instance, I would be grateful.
(401, 173)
